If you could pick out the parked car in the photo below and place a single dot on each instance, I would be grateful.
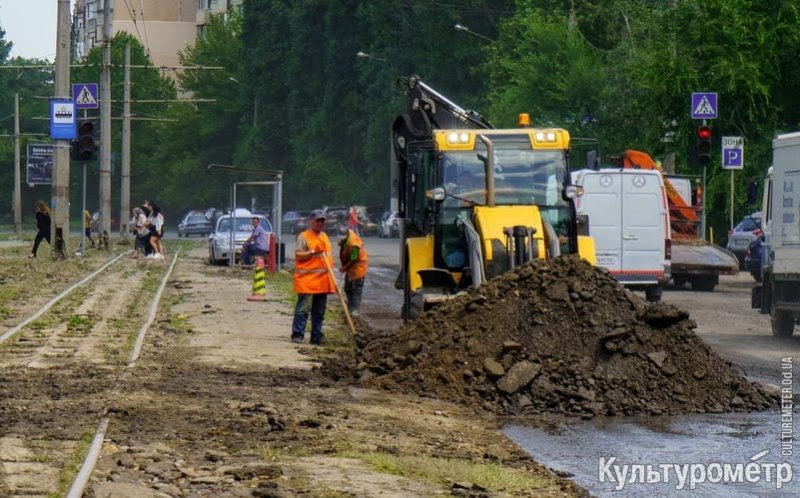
(752, 260)
(219, 243)
(390, 225)
(748, 230)
(294, 222)
(195, 223)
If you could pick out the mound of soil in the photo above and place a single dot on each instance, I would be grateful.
(559, 337)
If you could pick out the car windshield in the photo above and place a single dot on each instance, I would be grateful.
(242, 225)
(196, 219)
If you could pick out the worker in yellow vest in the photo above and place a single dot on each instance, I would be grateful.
(312, 280)
(353, 257)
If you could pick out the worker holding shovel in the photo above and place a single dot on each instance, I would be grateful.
(313, 280)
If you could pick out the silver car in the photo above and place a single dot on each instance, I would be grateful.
(743, 234)
(219, 242)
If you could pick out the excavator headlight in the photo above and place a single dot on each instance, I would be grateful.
(546, 137)
(573, 191)
(455, 138)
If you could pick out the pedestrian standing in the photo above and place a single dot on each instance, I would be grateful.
(139, 231)
(87, 226)
(156, 223)
(353, 223)
(42, 226)
(312, 279)
(353, 257)
(256, 244)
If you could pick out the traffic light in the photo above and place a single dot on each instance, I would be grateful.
(84, 148)
(704, 145)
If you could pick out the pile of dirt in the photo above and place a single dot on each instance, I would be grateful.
(559, 337)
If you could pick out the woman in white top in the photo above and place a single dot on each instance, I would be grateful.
(156, 222)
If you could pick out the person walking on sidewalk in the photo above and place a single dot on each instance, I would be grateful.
(42, 225)
(353, 257)
(256, 244)
(87, 226)
(312, 280)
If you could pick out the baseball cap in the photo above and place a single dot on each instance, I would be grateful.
(317, 214)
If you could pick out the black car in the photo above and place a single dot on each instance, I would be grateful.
(752, 259)
(195, 223)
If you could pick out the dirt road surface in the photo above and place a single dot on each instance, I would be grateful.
(221, 403)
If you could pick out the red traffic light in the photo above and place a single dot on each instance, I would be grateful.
(704, 133)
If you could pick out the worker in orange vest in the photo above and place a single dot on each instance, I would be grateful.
(312, 280)
(353, 256)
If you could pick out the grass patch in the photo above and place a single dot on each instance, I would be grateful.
(79, 322)
(443, 471)
(73, 464)
(179, 322)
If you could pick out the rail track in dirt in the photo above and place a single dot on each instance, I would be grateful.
(62, 367)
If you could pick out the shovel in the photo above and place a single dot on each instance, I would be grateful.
(338, 293)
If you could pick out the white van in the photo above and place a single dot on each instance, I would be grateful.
(629, 221)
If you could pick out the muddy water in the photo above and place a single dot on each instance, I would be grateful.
(576, 447)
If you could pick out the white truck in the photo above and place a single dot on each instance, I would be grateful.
(629, 221)
(779, 292)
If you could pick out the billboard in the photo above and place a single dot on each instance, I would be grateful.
(40, 164)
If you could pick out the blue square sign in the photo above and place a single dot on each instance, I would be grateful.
(704, 105)
(62, 120)
(85, 95)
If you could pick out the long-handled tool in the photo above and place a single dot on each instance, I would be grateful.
(341, 297)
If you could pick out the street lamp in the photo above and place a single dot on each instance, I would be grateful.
(461, 27)
(364, 55)
(255, 100)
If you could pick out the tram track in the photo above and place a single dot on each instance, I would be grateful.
(62, 367)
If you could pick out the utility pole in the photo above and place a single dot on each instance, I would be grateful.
(126, 149)
(17, 179)
(105, 121)
(59, 202)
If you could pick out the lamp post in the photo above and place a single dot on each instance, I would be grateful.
(255, 100)
(461, 27)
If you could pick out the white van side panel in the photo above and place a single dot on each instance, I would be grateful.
(643, 229)
(785, 233)
(602, 202)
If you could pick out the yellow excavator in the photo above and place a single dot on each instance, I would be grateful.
(476, 201)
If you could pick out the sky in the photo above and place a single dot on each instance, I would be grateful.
(31, 26)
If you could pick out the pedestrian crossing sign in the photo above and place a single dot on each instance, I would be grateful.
(704, 105)
(85, 95)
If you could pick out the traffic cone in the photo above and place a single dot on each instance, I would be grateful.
(259, 283)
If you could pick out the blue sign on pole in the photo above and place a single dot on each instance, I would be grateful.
(62, 119)
(704, 105)
(85, 95)
(732, 153)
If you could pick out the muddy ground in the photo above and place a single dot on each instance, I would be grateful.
(221, 403)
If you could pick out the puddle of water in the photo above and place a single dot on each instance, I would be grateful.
(576, 447)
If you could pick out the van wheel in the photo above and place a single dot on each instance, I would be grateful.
(653, 294)
(782, 323)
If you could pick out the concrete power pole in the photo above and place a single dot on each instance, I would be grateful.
(125, 207)
(17, 179)
(59, 202)
(105, 121)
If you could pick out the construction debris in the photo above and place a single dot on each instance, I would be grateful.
(559, 337)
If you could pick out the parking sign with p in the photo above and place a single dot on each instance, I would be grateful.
(732, 153)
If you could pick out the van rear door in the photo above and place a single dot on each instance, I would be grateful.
(602, 202)
(643, 226)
